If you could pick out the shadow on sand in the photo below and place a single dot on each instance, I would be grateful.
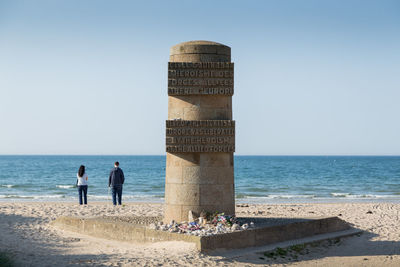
(27, 244)
(361, 245)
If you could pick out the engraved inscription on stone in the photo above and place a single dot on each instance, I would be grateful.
(202, 123)
(198, 148)
(200, 136)
(203, 78)
(201, 65)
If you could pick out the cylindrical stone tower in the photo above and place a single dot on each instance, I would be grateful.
(200, 132)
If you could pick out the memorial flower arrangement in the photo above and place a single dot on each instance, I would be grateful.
(223, 219)
(206, 224)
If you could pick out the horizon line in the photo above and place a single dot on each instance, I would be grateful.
(261, 155)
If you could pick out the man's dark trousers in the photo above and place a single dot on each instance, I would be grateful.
(116, 190)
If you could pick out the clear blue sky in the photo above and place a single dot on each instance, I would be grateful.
(90, 77)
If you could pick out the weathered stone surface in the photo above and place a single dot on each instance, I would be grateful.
(216, 160)
(199, 168)
(191, 216)
(216, 102)
(183, 194)
(267, 230)
(200, 107)
(200, 47)
(218, 176)
(216, 193)
(199, 58)
(192, 175)
(204, 175)
(172, 211)
(174, 174)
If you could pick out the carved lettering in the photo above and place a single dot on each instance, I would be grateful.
(199, 91)
(200, 136)
(187, 131)
(200, 148)
(200, 65)
(200, 140)
(200, 73)
(200, 123)
(200, 78)
(200, 82)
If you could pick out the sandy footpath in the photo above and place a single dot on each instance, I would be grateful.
(31, 241)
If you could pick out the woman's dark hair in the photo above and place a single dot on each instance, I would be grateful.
(81, 171)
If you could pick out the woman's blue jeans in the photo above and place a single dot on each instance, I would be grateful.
(82, 189)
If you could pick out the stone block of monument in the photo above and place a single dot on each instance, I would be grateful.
(200, 132)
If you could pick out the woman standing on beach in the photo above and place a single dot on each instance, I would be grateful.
(82, 184)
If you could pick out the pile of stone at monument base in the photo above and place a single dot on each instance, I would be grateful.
(206, 225)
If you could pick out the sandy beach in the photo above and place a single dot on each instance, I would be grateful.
(30, 240)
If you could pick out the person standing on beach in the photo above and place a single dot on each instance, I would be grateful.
(82, 184)
(115, 181)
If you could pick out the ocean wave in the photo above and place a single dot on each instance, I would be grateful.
(104, 197)
(49, 196)
(290, 196)
(94, 197)
(340, 194)
(65, 186)
(8, 185)
(278, 197)
(31, 197)
(314, 197)
(17, 185)
(253, 199)
(373, 196)
(363, 196)
(15, 196)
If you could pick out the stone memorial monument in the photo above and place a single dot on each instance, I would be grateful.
(200, 141)
(200, 132)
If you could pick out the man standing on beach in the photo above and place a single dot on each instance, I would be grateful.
(115, 181)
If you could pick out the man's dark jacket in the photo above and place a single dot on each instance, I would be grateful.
(116, 177)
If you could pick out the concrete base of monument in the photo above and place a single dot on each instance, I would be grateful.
(267, 232)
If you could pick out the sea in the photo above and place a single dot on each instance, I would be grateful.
(258, 179)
